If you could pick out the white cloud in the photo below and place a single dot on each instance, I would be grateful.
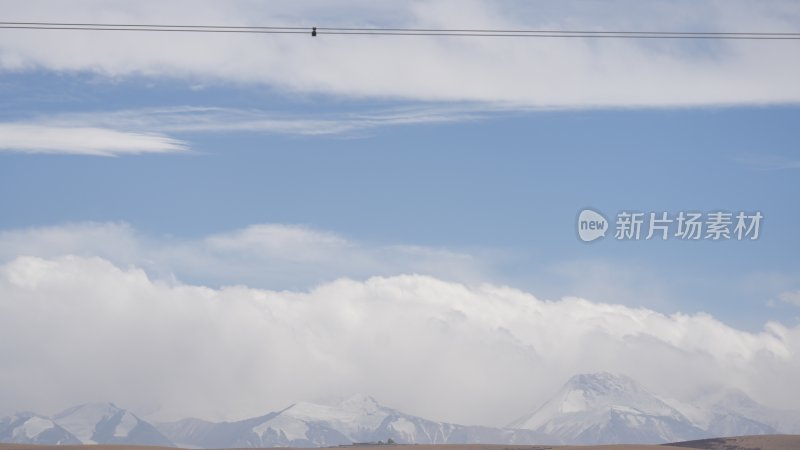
(30, 138)
(604, 281)
(85, 329)
(792, 297)
(147, 130)
(769, 162)
(263, 255)
(220, 120)
(280, 241)
(518, 71)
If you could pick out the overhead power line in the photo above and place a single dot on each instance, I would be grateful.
(317, 31)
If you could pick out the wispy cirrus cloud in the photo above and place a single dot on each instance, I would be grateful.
(194, 119)
(791, 297)
(83, 140)
(152, 130)
(769, 162)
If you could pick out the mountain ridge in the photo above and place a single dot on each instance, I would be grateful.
(358, 418)
(593, 408)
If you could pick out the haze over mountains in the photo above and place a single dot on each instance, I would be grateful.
(356, 419)
(589, 409)
(92, 423)
(605, 408)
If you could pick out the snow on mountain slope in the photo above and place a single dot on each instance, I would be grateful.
(27, 428)
(606, 408)
(589, 409)
(349, 417)
(731, 412)
(356, 419)
(104, 423)
(734, 402)
(186, 433)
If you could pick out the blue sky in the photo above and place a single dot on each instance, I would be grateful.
(155, 172)
(509, 182)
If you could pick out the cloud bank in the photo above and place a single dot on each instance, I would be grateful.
(527, 72)
(81, 328)
(239, 323)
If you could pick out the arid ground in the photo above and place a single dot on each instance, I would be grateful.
(776, 442)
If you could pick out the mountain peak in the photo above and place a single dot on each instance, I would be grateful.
(602, 382)
(735, 399)
(354, 409)
(30, 428)
(604, 407)
(360, 403)
(604, 390)
(95, 409)
(105, 422)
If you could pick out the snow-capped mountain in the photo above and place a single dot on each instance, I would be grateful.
(589, 409)
(605, 408)
(28, 428)
(104, 423)
(356, 419)
(731, 411)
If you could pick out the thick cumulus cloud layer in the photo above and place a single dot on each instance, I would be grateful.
(521, 71)
(81, 328)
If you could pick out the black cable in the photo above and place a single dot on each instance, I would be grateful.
(25, 27)
(400, 31)
(504, 32)
(552, 35)
(120, 25)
